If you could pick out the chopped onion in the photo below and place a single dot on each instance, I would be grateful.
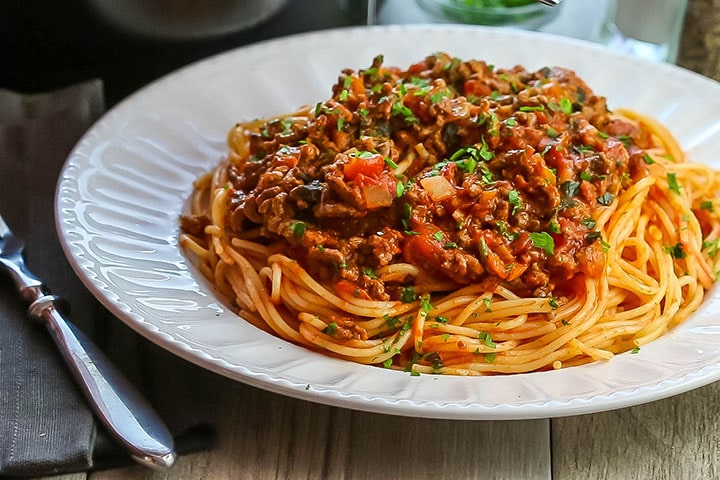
(377, 196)
(438, 187)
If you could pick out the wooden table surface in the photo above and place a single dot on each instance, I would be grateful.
(267, 436)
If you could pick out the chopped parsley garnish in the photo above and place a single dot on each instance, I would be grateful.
(441, 319)
(532, 108)
(635, 350)
(707, 205)
(331, 328)
(570, 188)
(554, 227)
(488, 303)
(553, 303)
(487, 339)
(566, 106)
(340, 123)
(389, 161)
(515, 200)
(490, 357)
(593, 236)
(298, 228)
(450, 245)
(408, 295)
(673, 183)
(425, 305)
(588, 223)
(398, 108)
(564, 322)
(544, 241)
(583, 149)
(368, 272)
(648, 159)
(676, 251)
(438, 236)
(388, 363)
(586, 176)
(343, 95)
(606, 198)
(399, 189)
(711, 246)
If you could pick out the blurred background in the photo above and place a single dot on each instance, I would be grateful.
(45, 45)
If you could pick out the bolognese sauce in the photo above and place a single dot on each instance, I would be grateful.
(472, 174)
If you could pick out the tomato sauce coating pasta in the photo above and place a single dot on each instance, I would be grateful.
(460, 219)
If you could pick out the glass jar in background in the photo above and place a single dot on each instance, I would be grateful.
(529, 14)
(647, 29)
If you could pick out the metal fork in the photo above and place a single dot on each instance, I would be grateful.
(121, 408)
(550, 3)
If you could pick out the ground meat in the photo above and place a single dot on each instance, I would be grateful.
(470, 173)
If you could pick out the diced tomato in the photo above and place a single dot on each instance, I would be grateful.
(370, 166)
(477, 88)
(422, 250)
(346, 289)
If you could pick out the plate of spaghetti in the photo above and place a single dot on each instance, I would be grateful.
(430, 221)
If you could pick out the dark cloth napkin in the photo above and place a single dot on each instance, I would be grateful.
(46, 426)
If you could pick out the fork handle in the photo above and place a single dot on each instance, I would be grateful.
(120, 407)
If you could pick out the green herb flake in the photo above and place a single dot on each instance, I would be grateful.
(490, 357)
(441, 319)
(673, 183)
(566, 106)
(570, 188)
(554, 227)
(588, 223)
(399, 189)
(445, 337)
(389, 161)
(331, 328)
(544, 241)
(408, 295)
(515, 200)
(298, 228)
(711, 246)
(635, 350)
(488, 303)
(425, 305)
(676, 251)
(648, 159)
(487, 339)
(438, 236)
(606, 199)
(368, 272)
(340, 124)
(586, 176)
(564, 322)
(532, 108)
(553, 303)
(707, 205)
(343, 95)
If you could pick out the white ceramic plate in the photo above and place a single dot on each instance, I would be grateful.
(126, 182)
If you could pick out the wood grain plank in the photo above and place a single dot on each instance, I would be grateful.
(267, 436)
(380, 446)
(676, 438)
(69, 476)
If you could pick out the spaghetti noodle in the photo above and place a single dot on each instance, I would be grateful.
(454, 218)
